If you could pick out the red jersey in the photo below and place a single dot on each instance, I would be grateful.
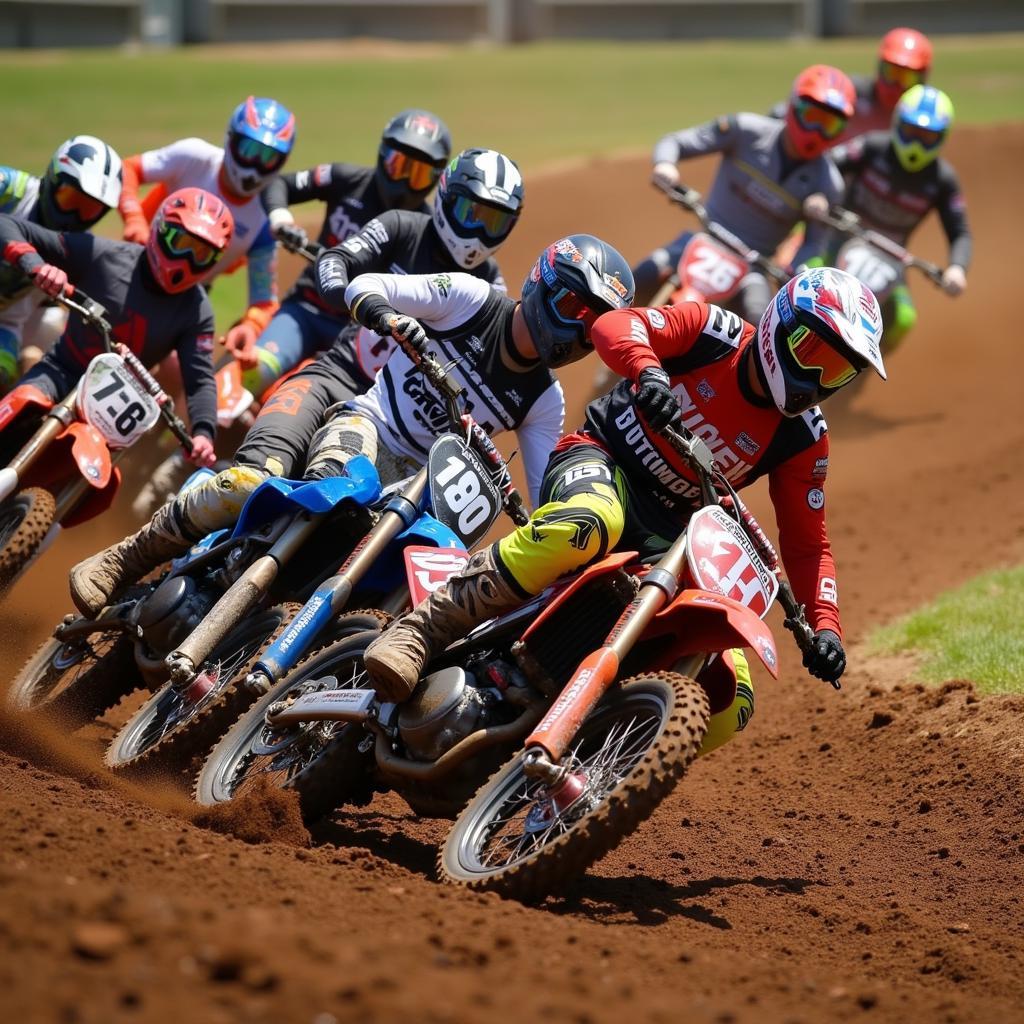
(703, 348)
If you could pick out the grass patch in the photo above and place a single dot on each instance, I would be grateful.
(973, 633)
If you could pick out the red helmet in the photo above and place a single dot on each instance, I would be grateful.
(188, 236)
(904, 60)
(822, 101)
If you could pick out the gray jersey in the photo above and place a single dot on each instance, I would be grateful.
(758, 192)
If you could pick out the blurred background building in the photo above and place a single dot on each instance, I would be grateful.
(63, 23)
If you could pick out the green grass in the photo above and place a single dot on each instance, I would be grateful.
(972, 633)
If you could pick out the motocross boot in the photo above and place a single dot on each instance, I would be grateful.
(396, 658)
(94, 581)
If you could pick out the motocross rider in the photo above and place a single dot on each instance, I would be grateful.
(904, 60)
(260, 135)
(768, 168)
(895, 179)
(81, 183)
(750, 393)
(503, 353)
(414, 148)
(152, 296)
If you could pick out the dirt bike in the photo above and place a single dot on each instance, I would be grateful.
(710, 269)
(62, 471)
(587, 703)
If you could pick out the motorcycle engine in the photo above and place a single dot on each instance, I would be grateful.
(444, 708)
(172, 612)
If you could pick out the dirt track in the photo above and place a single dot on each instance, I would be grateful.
(851, 856)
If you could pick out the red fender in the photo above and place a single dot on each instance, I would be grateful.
(90, 452)
(22, 397)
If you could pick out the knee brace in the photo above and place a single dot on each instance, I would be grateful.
(267, 370)
(216, 503)
(725, 724)
(563, 536)
(902, 315)
(338, 440)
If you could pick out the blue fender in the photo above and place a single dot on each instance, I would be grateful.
(389, 570)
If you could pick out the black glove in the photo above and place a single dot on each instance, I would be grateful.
(291, 236)
(825, 658)
(406, 330)
(655, 400)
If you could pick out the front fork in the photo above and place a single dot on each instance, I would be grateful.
(546, 745)
(56, 419)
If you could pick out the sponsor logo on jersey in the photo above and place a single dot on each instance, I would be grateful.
(321, 174)
(828, 591)
(443, 283)
(705, 390)
(820, 470)
(204, 343)
(638, 332)
(746, 443)
(816, 498)
(657, 318)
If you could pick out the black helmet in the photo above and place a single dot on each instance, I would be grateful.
(414, 148)
(479, 199)
(570, 286)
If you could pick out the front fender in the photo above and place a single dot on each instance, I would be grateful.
(701, 622)
(90, 452)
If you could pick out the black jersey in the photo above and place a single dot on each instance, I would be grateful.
(150, 322)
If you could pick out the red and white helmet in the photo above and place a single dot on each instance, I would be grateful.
(188, 236)
(904, 60)
(816, 335)
(823, 99)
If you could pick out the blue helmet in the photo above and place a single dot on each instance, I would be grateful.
(920, 123)
(260, 136)
(575, 280)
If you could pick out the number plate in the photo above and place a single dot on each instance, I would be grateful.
(113, 401)
(711, 268)
(462, 494)
(428, 568)
(878, 271)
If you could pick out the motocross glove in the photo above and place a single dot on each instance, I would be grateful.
(954, 280)
(825, 658)
(408, 331)
(655, 400)
(286, 231)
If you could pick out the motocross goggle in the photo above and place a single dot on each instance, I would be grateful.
(400, 166)
(70, 198)
(570, 308)
(814, 117)
(814, 354)
(255, 155)
(181, 244)
(897, 75)
(481, 219)
(930, 138)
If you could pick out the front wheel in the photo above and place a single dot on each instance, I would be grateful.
(524, 839)
(25, 520)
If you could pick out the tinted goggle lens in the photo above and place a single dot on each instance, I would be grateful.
(812, 352)
(180, 244)
(905, 78)
(814, 117)
(399, 166)
(474, 215)
(72, 199)
(250, 153)
(570, 307)
(928, 137)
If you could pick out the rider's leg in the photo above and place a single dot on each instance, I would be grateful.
(650, 273)
(581, 520)
(899, 317)
(346, 434)
(42, 329)
(9, 367)
(725, 724)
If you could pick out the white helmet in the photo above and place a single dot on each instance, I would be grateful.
(82, 182)
(479, 199)
(821, 329)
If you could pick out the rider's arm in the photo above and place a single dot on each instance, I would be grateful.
(440, 301)
(195, 355)
(538, 434)
(953, 213)
(261, 265)
(129, 205)
(816, 234)
(491, 273)
(322, 182)
(796, 487)
(368, 249)
(716, 136)
(29, 246)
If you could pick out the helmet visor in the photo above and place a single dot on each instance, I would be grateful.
(481, 218)
(399, 166)
(570, 308)
(181, 244)
(812, 352)
(814, 117)
(927, 137)
(256, 155)
(71, 199)
(896, 75)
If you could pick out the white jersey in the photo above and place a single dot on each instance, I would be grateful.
(469, 323)
(195, 163)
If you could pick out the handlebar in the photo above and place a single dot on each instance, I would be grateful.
(690, 199)
(92, 313)
(847, 222)
(310, 251)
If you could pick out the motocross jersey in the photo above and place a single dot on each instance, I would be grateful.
(758, 192)
(352, 198)
(149, 321)
(869, 115)
(18, 194)
(469, 322)
(894, 201)
(703, 349)
(194, 163)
